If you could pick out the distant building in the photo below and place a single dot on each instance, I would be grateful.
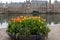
(14, 7)
(2, 7)
(56, 6)
(30, 6)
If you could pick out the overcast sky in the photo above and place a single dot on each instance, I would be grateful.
(4, 1)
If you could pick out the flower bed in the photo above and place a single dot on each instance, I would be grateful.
(28, 28)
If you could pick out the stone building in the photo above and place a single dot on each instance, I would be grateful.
(15, 7)
(30, 6)
(57, 6)
(34, 5)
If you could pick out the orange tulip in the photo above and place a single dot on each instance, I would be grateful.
(17, 20)
(18, 17)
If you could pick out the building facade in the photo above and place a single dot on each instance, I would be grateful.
(30, 6)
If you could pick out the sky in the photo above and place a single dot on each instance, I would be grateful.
(4, 1)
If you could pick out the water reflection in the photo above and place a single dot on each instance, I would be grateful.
(3, 24)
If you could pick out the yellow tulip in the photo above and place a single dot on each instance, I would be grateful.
(20, 21)
(25, 17)
(39, 20)
(38, 17)
(40, 27)
(34, 17)
(29, 18)
(43, 19)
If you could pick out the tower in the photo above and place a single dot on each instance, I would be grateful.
(27, 9)
(49, 6)
(27, 0)
(50, 2)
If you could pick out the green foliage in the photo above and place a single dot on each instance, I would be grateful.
(28, 27)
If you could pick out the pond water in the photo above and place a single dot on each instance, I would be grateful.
(5, 17)
(5, 24)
